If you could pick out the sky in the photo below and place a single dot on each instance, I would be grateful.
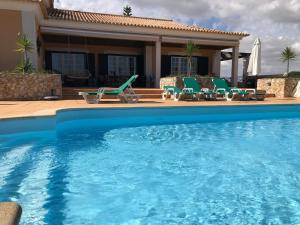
(275, 22)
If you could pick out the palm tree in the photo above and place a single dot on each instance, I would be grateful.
(127, 11)
(287, 55)
(189, 50)
(24, 47)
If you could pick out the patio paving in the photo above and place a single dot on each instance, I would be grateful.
(11, 109)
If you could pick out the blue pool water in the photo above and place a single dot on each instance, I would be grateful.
(214, 166)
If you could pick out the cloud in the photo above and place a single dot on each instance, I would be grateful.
(276, 22)
(296, 47)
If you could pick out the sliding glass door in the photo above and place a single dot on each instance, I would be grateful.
(120, 66)
(179, 65)
(114, 70)
(77, 68)
(69, 63)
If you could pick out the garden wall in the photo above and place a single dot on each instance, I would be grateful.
(205, 82)
(281, 87)
(29, 87)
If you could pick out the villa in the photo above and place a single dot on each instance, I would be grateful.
(193, 149)
(102, 49)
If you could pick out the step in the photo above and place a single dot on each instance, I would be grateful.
(143, 96)
(70, 93)
(146, 93)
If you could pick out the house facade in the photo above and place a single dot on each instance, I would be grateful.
(94, 49)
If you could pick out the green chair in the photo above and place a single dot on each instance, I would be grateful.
(191, 85)
(191, 89)
(230, 93)
(125, 93)
(170, 91)
(177, 94)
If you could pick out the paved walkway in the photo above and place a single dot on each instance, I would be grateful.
(10, 109)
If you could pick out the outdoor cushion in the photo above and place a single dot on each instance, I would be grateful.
(221, 83)
(190, 82)
(113, 92)
(90, 93)
(129, 97)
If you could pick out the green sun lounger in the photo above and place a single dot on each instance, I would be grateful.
(125, 93)
(230, 93)
(191, 89)
(191, 84)
(170, 91)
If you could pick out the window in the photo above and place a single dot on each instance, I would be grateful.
(121, 65)
(68, 63)
(179, 65)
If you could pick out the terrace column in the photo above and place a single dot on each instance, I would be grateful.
(157, 62)
(216, 65)
(148, 64)
(235, 66)
(245, 68)
(97, 69)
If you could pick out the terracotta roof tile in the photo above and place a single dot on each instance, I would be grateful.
(90, 17)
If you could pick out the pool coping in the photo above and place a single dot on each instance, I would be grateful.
(54, 112)
(10, 213)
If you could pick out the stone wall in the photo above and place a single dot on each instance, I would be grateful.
(29, 87)
(281, 87)
(205, 82)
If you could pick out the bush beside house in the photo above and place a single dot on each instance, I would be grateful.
(25, 83)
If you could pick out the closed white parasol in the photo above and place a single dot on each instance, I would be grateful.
(254, 67)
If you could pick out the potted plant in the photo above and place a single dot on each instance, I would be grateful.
(190, 50)
(24, 47)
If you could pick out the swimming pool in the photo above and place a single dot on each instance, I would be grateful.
(192, 165)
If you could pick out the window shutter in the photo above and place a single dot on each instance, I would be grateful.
(139, 65)
(103, 64)
(48, 61)
(90, 65)
(141, 81)
(202, 65)
(103, 69)
(165, 65)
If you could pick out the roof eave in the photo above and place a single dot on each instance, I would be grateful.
(238, 34)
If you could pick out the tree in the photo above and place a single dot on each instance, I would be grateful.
(24, 47)
(287, 55)
(190, 50)
(127, 11)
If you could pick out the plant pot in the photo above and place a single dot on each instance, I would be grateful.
(260, 95)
